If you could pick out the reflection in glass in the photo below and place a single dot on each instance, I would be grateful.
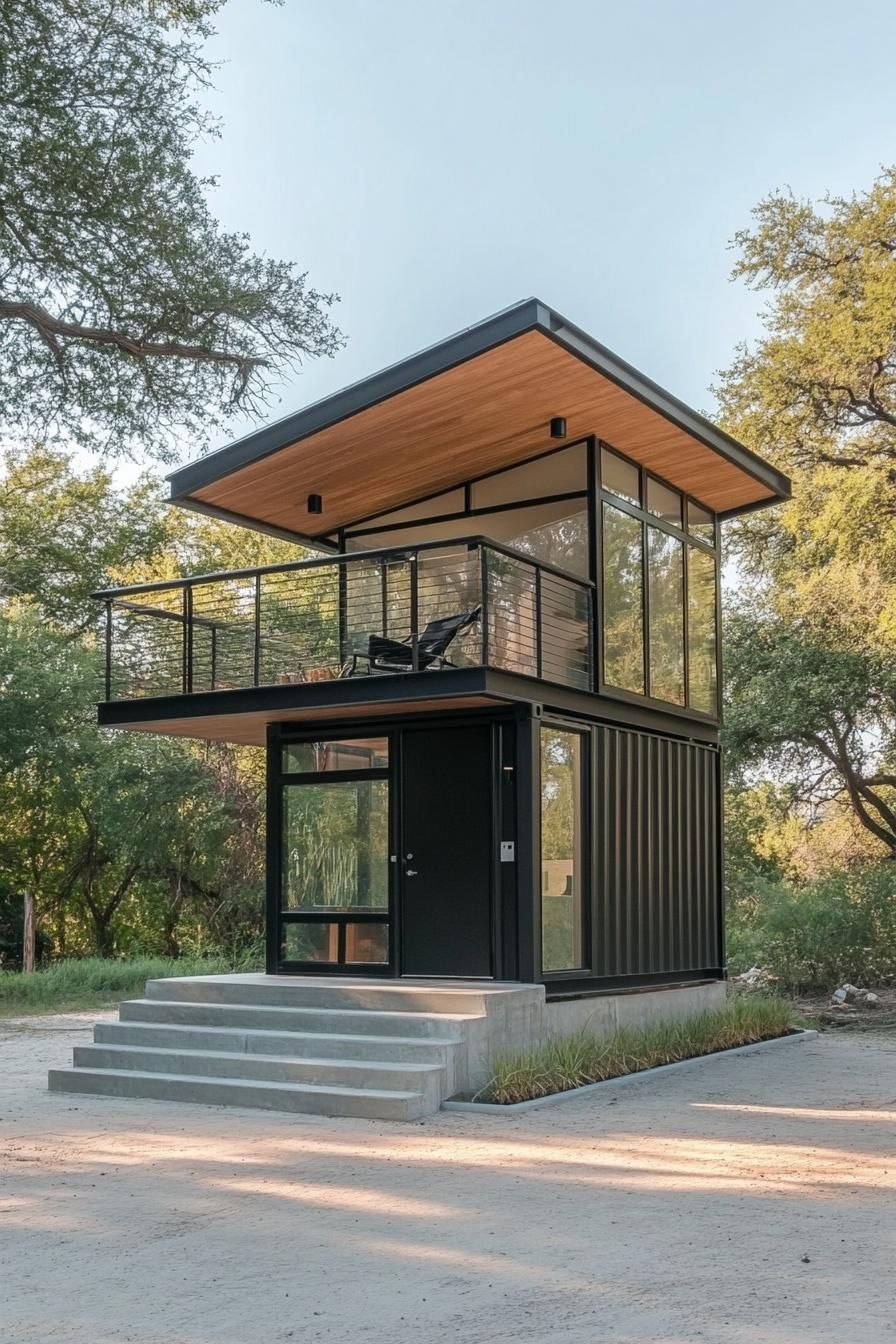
(623, 616)
(335, 842)
(702, 631)
(560, 540)
(367, 942)
(368, 753)
(310, 942)
(662, 501)
(620, 477)
(701, 523)
(665, 603)
(561, 850)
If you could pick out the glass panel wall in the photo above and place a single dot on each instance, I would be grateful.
(564, 472)
(620, 477)
(562, 851)
(623, 600)
(665, 605)
(702, 631)
(660, 628)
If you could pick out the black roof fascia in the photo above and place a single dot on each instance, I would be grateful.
(529, 315)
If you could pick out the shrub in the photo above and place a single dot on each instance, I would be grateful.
(841, 927)
(573, 1061)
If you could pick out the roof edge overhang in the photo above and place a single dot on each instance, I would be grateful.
(529, 315)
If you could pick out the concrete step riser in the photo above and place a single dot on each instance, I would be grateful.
(214, 1064)
(320, 995)
(305, 1045)
(335, 1021)
(294, 1097)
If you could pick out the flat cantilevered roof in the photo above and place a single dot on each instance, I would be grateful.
(476, 402)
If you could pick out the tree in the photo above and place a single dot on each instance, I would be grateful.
(811, 694)
(820, 388)
(64, 534)
(128, 315)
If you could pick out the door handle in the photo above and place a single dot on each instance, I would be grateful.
(410, 872)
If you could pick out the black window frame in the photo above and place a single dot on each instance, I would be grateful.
(681, 533)
(278, 780)
(584, 732)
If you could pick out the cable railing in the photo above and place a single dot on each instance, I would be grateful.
(325, 619)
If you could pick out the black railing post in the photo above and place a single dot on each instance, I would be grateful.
(342, 610)
(483, 602)
(591, 671)
(214, 667)
(108, 650)
(188, 639)
(415, 604)
(256, 643)
(538, 658)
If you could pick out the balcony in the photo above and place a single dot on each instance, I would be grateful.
(313, 620)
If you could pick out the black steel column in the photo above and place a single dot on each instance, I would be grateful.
(273, 850)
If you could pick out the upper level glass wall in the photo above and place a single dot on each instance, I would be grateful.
(659, 586)
(539, 508)
(655, 559)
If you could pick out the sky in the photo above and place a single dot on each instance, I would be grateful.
(433, 161)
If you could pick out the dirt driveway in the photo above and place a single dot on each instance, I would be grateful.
(680, 1210)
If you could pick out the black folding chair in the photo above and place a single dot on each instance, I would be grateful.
(397, 655)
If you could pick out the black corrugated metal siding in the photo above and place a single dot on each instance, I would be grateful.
(657, 898)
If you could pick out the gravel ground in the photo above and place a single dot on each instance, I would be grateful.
(750, 1201)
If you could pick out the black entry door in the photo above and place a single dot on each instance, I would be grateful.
(446, 860)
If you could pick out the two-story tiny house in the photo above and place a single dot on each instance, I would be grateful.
(491, 703)
(491, 699)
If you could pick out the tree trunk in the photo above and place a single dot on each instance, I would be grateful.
(28, 934)
(102, 932)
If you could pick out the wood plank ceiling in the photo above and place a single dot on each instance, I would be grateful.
(491, 411)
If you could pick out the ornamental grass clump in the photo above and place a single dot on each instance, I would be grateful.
(573, 1061)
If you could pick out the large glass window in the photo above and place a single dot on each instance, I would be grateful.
(562, 851)
(335, 843)
(623, 586)
(665, 605)
(702, 630)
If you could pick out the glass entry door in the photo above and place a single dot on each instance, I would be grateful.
(335, 874)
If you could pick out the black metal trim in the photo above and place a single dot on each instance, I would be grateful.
(531, 314)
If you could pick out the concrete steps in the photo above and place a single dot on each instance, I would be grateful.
(306, 1098)
(384, 1051)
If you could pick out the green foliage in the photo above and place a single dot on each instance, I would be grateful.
(574, 1061)
(127, 313)
(820, 388)
(126, 842)
(811, 688)
(93, 982)
(64, 535)
(818, 935)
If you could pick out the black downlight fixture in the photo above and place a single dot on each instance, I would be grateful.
(558, 427)
(315, 504)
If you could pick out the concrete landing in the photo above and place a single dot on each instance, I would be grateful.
(337, 1045)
